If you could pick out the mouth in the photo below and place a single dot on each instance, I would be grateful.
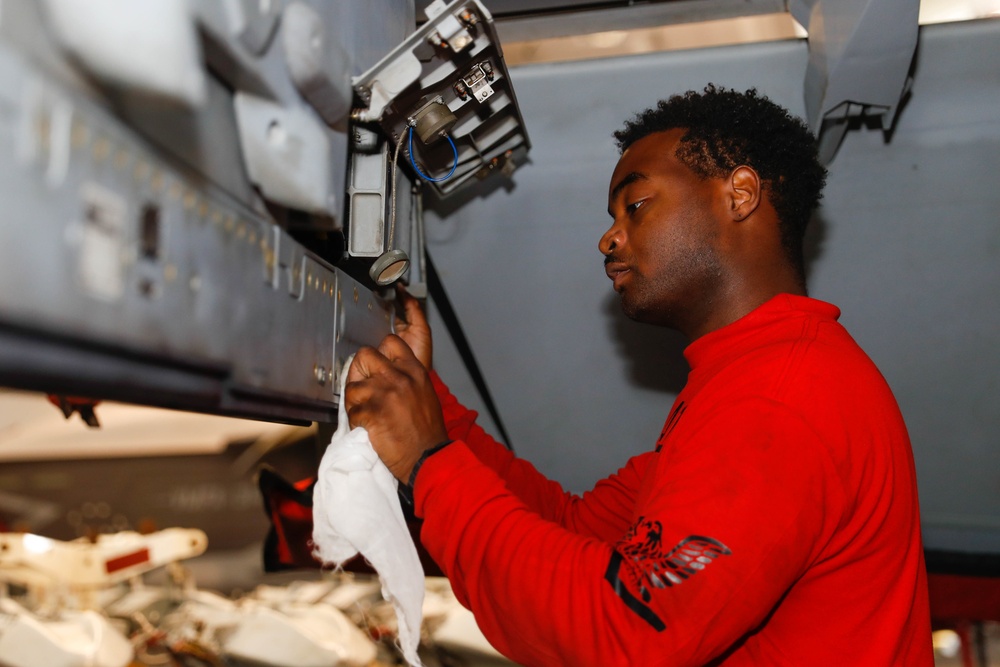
(616, 272)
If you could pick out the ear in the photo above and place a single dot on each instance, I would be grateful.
(744, 192)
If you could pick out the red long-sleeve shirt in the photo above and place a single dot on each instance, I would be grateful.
(774, 523)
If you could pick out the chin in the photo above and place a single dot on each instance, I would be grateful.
(634, 311)
(646, 313)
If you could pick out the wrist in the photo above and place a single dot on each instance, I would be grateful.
(406, 489)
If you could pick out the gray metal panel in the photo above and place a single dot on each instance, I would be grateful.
(364, 30)
(906, 243)
(385, 22)
(116, 254)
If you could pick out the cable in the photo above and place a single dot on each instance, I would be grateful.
(435, 289)
(424, 176)
(392, 214)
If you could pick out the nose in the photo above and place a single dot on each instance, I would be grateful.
(612, 239)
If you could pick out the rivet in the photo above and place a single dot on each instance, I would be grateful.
(102, 148)
(79, 134)
(43, 129)
(140, 171)
(157, 180)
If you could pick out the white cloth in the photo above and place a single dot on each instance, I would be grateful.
(356, 510)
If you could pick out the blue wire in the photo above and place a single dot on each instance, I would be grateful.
(424, 176)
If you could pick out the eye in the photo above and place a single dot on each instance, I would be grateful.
(634, 206)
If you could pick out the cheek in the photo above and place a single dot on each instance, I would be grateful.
(663, 246)
(678, 251)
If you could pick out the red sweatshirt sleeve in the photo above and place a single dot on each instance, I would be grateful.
(603, 512)
(732, 515)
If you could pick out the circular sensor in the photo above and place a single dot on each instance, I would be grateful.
(434, 122)
(389, 267)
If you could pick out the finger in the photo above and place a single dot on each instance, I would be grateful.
(367, 363)
(358, 398)
(360, 415)
(402, 297)
(356, 394)
(411, 306)
(395, 349)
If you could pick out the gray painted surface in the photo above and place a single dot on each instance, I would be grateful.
(906, 243)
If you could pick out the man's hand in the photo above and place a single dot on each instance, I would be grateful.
(414, 330)
(390, 394)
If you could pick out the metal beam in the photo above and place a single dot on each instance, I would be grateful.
(584, 21)
(860, 52)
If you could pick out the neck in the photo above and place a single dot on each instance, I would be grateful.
(740, 297)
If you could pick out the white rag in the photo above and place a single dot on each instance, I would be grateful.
(356, 510)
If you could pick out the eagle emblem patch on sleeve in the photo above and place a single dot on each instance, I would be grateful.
(639, 564)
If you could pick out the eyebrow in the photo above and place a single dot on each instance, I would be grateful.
(627, 180)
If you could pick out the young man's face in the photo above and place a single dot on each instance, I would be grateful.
(662, 250)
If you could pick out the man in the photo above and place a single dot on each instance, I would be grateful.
(774, 523)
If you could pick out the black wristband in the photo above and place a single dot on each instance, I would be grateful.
(406, 490)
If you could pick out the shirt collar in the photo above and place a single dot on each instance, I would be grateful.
(736, 337)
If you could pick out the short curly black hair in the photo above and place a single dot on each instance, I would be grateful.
(726, 129)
